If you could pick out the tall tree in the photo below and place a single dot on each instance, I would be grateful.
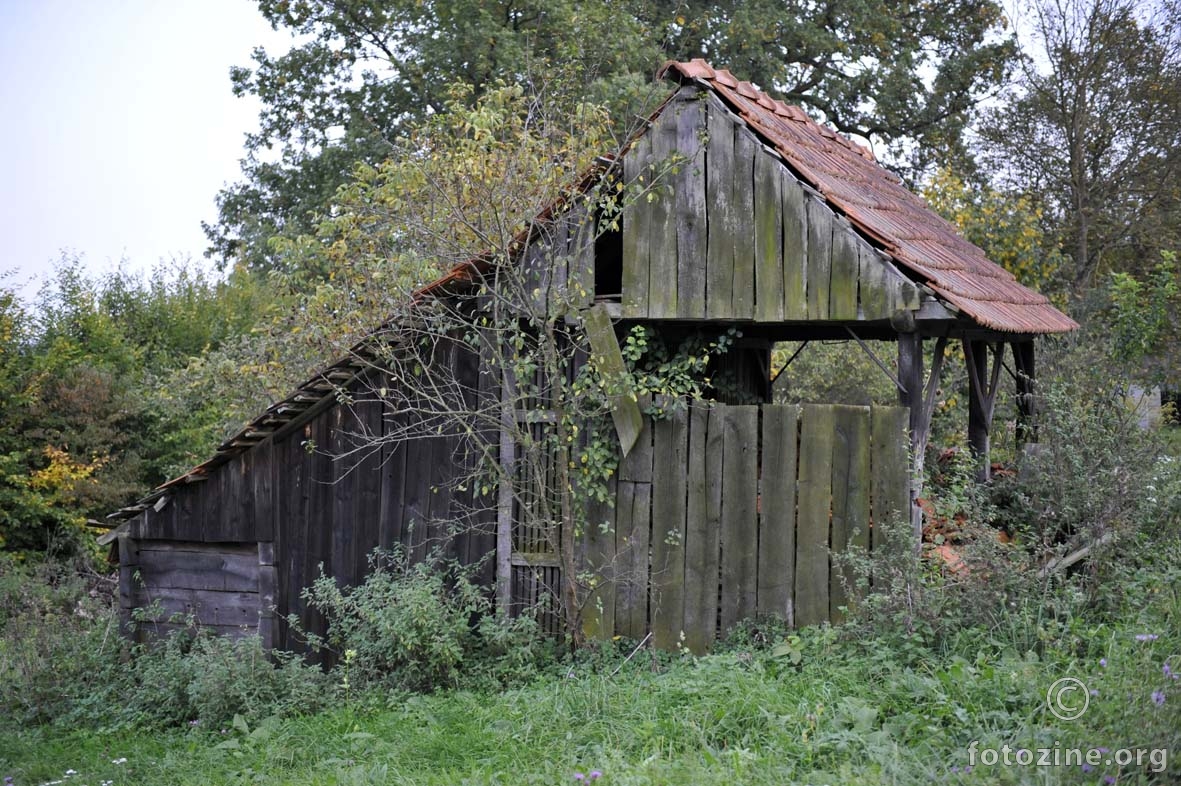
(1093, 127)
(362, 69)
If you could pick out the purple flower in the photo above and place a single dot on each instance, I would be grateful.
(578, 776)
(1109, 779)
(1167, 671)
(595, 775)
(1146, 637)
(1101, 749)
(1103, 662)
(1094, 691)
(1087, 767)
(1158, 697)
(967, 770)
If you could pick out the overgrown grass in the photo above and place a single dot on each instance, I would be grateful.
(893, 708)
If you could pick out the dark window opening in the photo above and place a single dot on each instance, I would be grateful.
(609, 265)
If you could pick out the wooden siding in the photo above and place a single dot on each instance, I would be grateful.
(316, 497)
(219, 586)
(724, 512)
(727, 232)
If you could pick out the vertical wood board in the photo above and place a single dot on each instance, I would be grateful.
(777, 520)
(768, 218)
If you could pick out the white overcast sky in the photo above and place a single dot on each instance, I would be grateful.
(118, 127)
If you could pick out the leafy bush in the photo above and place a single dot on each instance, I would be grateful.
(62, 661)
(423, 626)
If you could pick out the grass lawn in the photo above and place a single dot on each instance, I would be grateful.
(865, 711)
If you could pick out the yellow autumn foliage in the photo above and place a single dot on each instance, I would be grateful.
(63, 473)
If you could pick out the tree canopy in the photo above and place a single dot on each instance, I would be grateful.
(362, 71)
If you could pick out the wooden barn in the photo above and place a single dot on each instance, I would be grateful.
(718, 511)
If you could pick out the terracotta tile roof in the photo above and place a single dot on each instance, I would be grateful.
(882, 209)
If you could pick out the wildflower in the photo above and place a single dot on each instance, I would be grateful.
(1103, 662)
(595, 775)
(578, 776)
(1109, 780)
(195, 722)
(1101, 749)
(1087, 767)
(1094, 691)
(967, 770)
(1167, 671)
(120, 760)
(1146, 637)
(1158, 697)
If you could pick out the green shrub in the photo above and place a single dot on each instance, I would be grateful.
(63, 661)
(421, 627)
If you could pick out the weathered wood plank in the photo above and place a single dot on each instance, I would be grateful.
(768, 216)
(819, 256)
(344, 497)
(637, 466)
(320, 524)
(637, 215)
(842, 291)
(746, 149)
(850, 494)
(599, 612)
(662, 227)
(267, 586)
(289, 533)
(777, 524)
(369, 480)
(890, 470)
(669, 484)
(812, 523)
(721, 221)
(208, 607)
(625, 501)
(631, 548)
(580, 284)
(439, 492)
(417, 496)
(874, 293)
(128, 586)
(210, 568)
(690, 207)
(261, 479)
(393, 475)
(739, 530)
(857, 512)
(701, 529)
(556, 251)
(795, 247)
(608, 359)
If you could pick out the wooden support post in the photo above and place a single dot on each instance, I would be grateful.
(128, 568)
(1026, 404)
(910, 374)
(982, 386)
(266, 594)
(505, 496)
